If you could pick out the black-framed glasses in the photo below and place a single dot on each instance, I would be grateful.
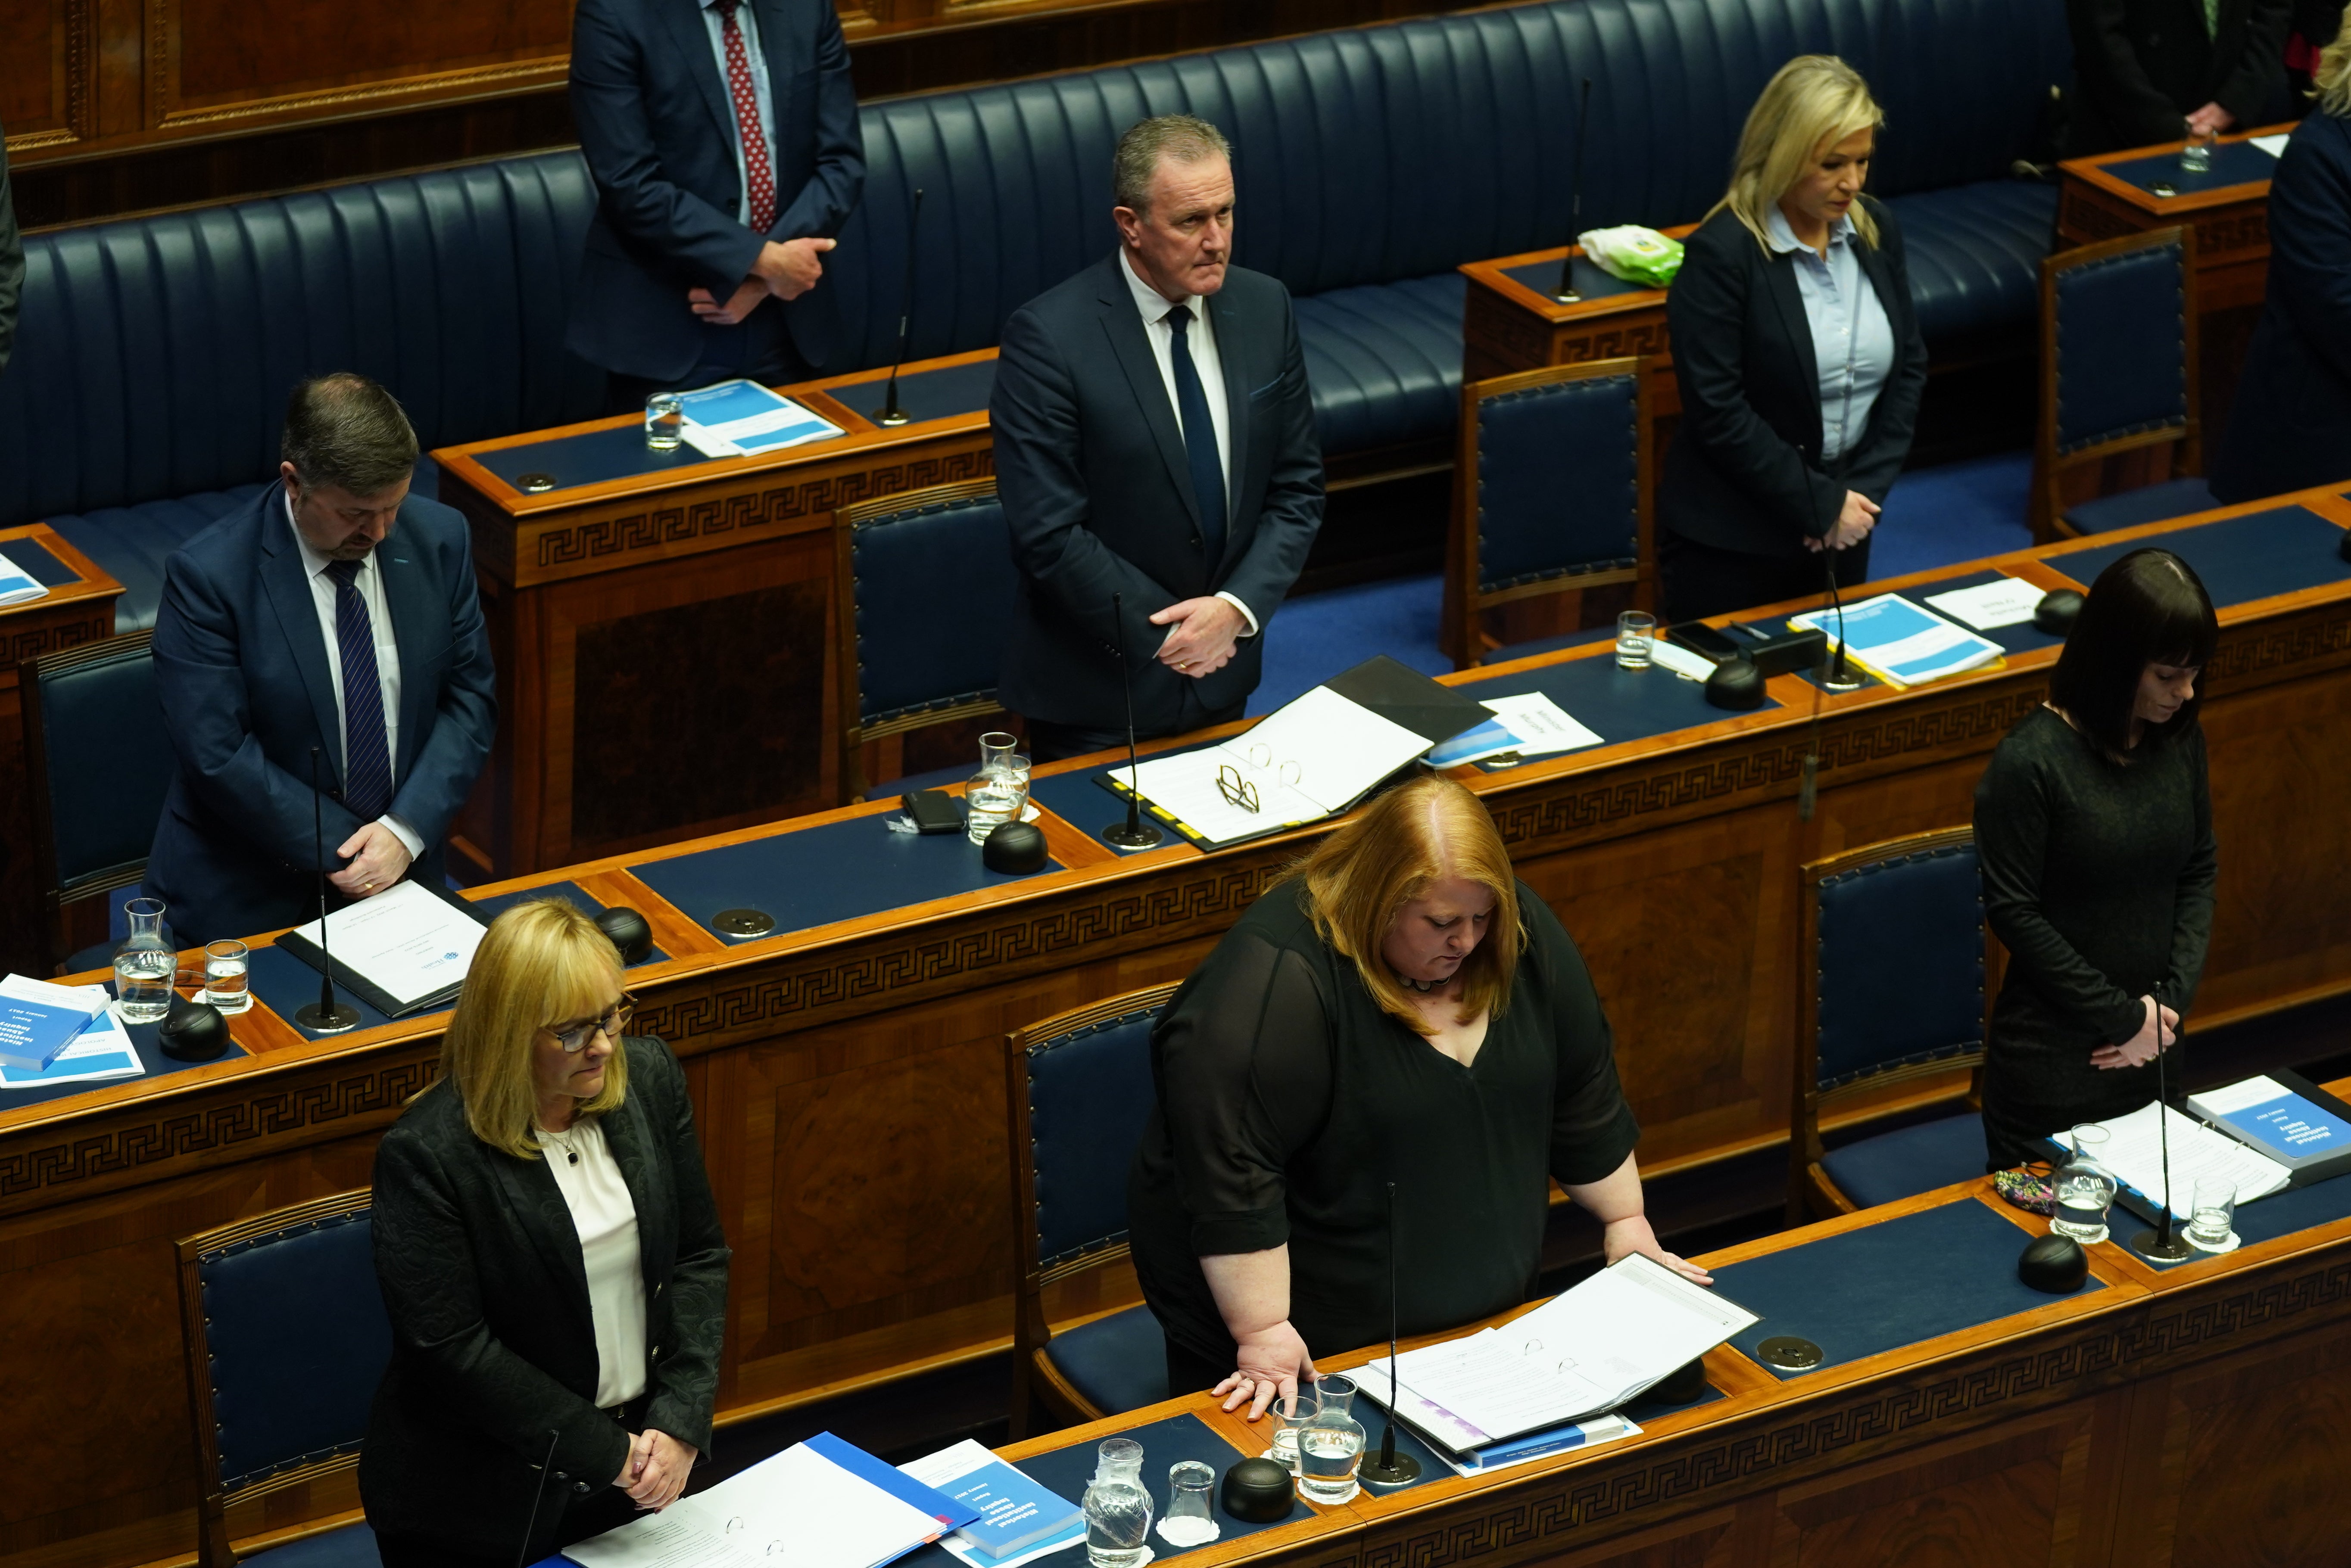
(1235, 788)
(575, 1040)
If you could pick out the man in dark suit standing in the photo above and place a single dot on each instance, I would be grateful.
(1154, 438)
(335, 612)
(2163, 70)
(723, 136)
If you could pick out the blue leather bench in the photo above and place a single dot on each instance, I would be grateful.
(1372, 162)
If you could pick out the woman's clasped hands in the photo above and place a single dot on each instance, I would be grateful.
(656, 1469)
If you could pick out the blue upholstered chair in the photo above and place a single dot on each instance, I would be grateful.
(1892, 962)
(1080, 1087)
(1551, 496)
(287, 1340)
(928, 579)
(98, 767)
(2120, 432)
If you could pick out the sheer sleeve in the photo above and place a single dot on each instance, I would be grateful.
(1591, 1128)
(1245, 1065)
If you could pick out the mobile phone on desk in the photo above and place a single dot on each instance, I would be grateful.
(1702, 639)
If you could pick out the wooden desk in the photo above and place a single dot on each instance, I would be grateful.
(848, 1078)
(663, 640)
(71, 613)
(2113, 194)
(1511, 321)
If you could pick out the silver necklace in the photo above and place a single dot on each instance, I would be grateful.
(561, 1141)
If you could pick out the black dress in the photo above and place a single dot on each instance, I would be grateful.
(2097, 877)
(1287, 1100)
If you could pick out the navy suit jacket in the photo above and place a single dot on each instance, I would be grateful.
(2141, 65)
(1090, 467)
(2291, 426)
(657, 125)
(240, 668)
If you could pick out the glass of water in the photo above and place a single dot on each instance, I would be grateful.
(994, 797)
(1289, 1418)
(1330, 1445)
(142, 984)
(2212, 1225)
(224, 967)
(2086, 1188)
(1188, 1521)
(1637, 634)
(665, 421)
(2196, 157)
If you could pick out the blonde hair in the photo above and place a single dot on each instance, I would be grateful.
(542, 963)
(2331, 82)
(1416, 835)
(1812, 103)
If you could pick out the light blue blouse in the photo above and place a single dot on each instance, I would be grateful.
(1852, 340)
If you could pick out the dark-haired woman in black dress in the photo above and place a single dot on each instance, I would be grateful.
(2094, 828)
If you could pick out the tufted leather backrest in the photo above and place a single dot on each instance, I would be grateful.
(1558, 480)
(2120, 341)
(1089, 1092)
(297, 1340)
(1900, 964)
(1407, 148)
(931, 588)
(102, 798)
(155, 354)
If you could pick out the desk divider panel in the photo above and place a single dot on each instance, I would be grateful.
(836, 871)
(2256, 556)
(1899, 1283)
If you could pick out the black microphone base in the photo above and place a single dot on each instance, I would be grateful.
(1842, 678)
(1377, 1470)
(326, 1020)
(890, 418)
(1567, 296)
(2153, 1244)
(1133, 836)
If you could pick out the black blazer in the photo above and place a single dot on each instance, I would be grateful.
(493, 1347)
(2291, 428)
(657, 125)
(1089, 465)
(2141, 66)
(1744, 472)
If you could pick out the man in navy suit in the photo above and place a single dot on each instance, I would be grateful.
(723, 138)
(1154, 438)
(336, 613)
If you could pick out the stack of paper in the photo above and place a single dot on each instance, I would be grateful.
(1528, 725)
(1987, 606)
(1315, 757)
(1019, 1520)
(1900, 643)
(39, 1021)
(737, 417)
(100, 1052)
(818, 1504)
(1583, 1353)
(16, 585)
(2135, 1155)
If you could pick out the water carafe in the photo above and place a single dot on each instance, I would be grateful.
(1118, 1507)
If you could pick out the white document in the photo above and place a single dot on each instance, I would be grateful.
(1987, 606)
(1540, 725)
(1184, 786)
(405, 941)
(798, 1508)
(100, 1052)
(1673, 655)
(2274, 145)
(2135, 1155)
(16, 585)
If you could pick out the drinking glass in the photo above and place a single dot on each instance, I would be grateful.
(2212, 1224)
(2086, 1188)
(665, 421)
(1636, 633)
(1188, 1522)
(1290, 1416)
(999, 792)
(2196, 157)
(225, 973)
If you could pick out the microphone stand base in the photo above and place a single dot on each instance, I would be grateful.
(1841, 680)
(332, 1020)
(890, 418)
(1406, 1470)
(1141, 835)
(2151, 1244)
(1567, 296)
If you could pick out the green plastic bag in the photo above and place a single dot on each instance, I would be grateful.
(1634, 254)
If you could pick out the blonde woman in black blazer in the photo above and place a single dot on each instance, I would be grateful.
(1799, 359)
(552, 1264)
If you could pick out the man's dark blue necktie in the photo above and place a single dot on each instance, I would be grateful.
(367, 758)
(1199, 439)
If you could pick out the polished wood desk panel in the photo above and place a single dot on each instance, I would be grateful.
(1509, 323)
(848, 1077)
(664, 640)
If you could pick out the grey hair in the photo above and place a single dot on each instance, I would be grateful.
(346, 430)
(1178, 136)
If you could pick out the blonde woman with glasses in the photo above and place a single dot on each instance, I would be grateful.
(551, 1261)
(1798, 355)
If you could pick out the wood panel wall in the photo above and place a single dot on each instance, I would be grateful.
(122, 105)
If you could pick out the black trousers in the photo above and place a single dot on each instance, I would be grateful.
(606, 1508)
(1051, 743)
(759, 348)
(1700, 580)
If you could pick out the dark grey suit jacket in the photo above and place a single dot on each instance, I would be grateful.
(1097, 493)
(493, 1347)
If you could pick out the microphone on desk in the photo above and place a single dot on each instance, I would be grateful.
(1839, 678)
(326, 1015)
(1392, 1469)
(536, 1492)
(2158, 1244)
(1567, 294)
(890, 414)
(1134, 833)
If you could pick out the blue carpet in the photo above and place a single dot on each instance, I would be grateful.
(1958, 512)
(1316, 635)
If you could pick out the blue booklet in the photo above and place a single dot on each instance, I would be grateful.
(18, 586)
(2283, 1116)
(100, 1052)
(1899, 642)
(39, 1021)
(1015, 1512)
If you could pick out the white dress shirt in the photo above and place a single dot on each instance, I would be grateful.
(1200, 337)
(606, 1218)
(749, 26)
(1852, 340)
(370, 584)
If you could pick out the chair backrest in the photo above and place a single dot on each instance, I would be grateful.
(1551, 492)
(287, 1340)
(2118, 357)
(95, 799)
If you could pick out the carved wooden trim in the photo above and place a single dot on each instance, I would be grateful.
(2232, 236)
(78, 25)
(17, 645)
